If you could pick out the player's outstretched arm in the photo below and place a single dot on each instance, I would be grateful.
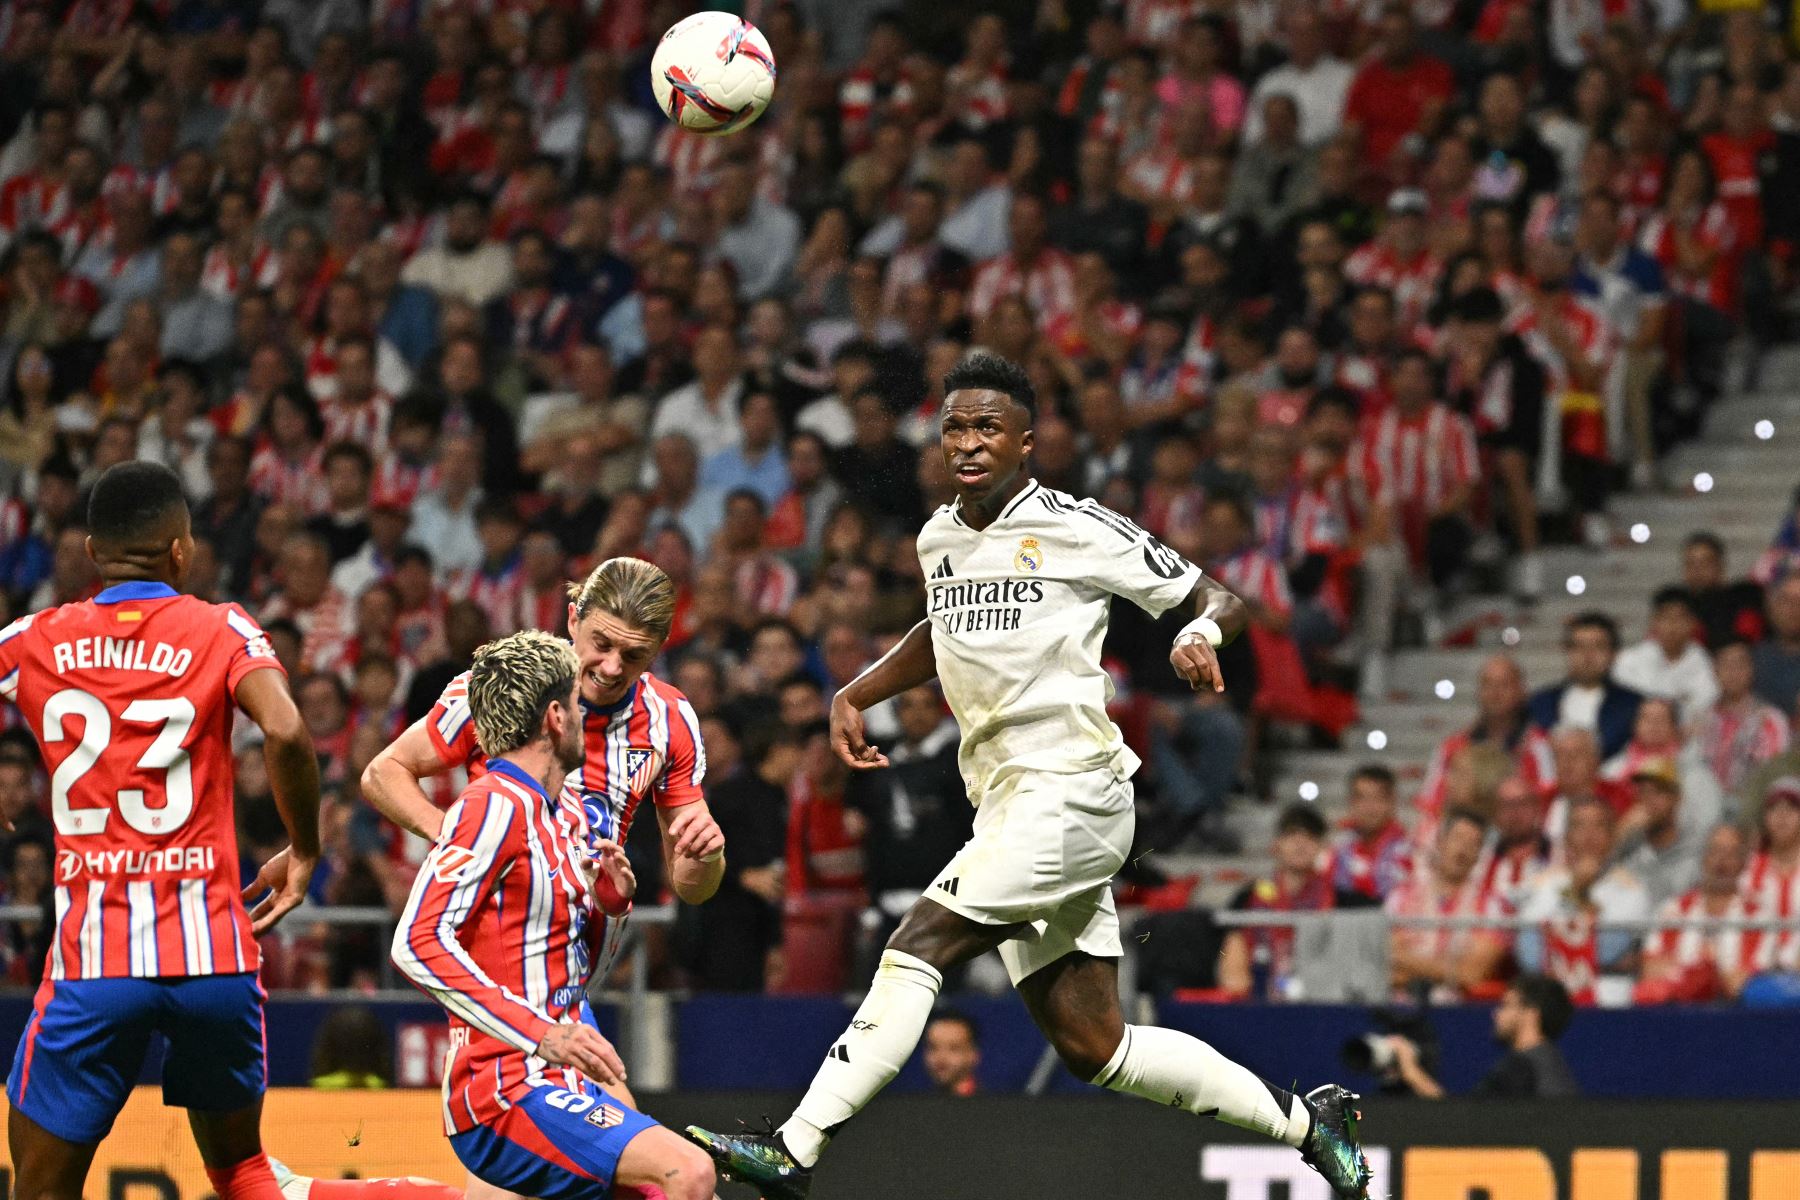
(294, 779)
(391, 782)
(693, 851)
(906, 666)
(1220, 617)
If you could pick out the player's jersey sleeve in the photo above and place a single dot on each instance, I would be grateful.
(1121, 557)
(250, 648)
(452, 726)
(483, 834)
(12, 652)
(682, 773)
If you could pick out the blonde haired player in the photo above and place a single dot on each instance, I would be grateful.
(640, 738)
(1019, 578)
(495, 930)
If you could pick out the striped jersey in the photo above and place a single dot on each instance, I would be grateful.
(130, 696)
(1777, 893)
(496, 930)
(1738, 951)
(648, 744)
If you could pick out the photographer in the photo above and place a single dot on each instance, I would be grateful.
(1532, 1015)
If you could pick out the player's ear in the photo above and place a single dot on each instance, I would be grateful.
(1026, 441)
(92, 557)
(572, 621)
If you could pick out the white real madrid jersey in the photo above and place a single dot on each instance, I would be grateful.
(1018, 612)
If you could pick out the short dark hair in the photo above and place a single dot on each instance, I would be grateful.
(356, 452)
(750, 494)
(1463, 814)
(412, 552)
(956, 1016)
(1234, 500)
(1301, 818)
(1593, 618)
(1707, 538)
(498, 508)
(1672, 595)
(1549, 999)
(991, 373)
(783, 624)
(1333, 396)
(1481, 305)
(134, 502)
(1376, 773)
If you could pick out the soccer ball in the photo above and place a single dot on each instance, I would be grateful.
(713, 73)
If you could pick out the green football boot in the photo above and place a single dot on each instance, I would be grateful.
(758, 1159)
(1331, 1147)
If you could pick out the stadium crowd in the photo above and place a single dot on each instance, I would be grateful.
(1354, 304)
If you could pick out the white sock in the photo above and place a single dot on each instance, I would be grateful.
(1179, 1071)
(881, 1037)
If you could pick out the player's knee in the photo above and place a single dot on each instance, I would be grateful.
(690, 1175)
(1086, 1052)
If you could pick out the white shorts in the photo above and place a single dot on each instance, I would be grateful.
(1044, 853)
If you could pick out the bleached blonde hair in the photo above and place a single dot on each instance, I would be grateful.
(511, 685)
(639, 593)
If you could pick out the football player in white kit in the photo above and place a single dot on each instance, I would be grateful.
(1018, 582)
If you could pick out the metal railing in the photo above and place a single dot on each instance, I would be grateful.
(1263, 919)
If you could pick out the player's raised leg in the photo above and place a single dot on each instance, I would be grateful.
(880, 1038)
(1075, 1001)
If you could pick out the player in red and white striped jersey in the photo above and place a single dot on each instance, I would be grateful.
(1693, 964)
(131, 697)
(643, 737)
(497, 931)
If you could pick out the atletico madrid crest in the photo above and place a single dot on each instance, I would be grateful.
(640, 769)
(605, 1116)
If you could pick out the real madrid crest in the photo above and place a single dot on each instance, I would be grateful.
(1030, 556)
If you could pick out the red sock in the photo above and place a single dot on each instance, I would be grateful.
(248, 1180)
(411, 1188)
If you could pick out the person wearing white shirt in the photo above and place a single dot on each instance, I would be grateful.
(706, 410)
(1318, 82)
(1671, 663)
(976, 206)
(1564, 900)
(443, 520)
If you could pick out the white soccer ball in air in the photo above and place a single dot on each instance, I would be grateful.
(713, 73)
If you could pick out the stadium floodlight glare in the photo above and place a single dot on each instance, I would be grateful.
(1765, 429)
(1576, 585)
(1703, 482)
(1509, 636)
(1640, 533)
(1309, 791)
(1377, 740)
(1445, 689)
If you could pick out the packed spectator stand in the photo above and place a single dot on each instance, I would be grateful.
(1384, 314)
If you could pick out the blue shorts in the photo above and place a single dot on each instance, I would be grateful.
(553, 1143)
(84, 1046)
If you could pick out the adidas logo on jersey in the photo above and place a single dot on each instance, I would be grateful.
(949, 885)
(943, 570)
(840, 1052)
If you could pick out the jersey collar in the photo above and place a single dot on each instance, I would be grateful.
(1030, 489)
(137, 589)
(613, 710)
(512, 770)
